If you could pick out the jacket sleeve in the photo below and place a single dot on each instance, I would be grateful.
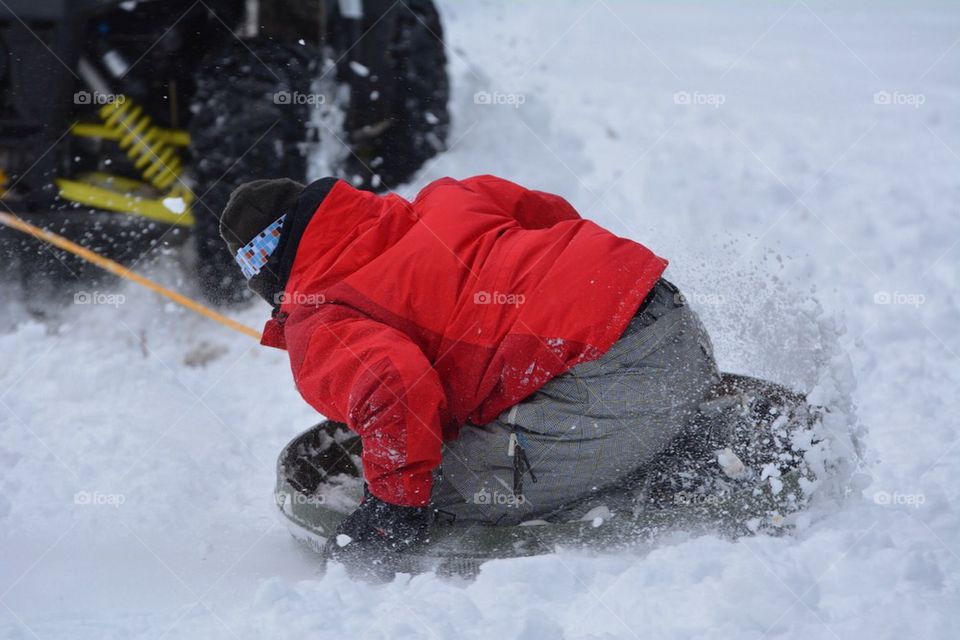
(532, 209)
(377, 381)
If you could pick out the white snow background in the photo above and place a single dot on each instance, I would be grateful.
(811, 220)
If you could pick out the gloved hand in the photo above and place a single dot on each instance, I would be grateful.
(376, 530)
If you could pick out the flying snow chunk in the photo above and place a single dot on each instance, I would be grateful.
(177, 205)
(598, 515)
(359, 69)
(776, 485)
(732, 466)
(343, 540)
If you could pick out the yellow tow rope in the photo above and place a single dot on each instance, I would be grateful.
(118, 269)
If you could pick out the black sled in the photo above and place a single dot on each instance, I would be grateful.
(737, 470)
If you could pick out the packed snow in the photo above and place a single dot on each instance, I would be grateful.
(798, 164)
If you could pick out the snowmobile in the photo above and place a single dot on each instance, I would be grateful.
(125, 125)
(738, 469)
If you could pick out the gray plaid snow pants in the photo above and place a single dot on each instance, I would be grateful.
(588, 429)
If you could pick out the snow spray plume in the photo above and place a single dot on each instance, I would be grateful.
(118, 269)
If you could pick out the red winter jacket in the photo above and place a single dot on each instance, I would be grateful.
(407, 320)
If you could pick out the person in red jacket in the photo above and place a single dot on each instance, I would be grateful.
(501, 357)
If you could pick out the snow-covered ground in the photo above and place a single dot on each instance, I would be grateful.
(813, 221)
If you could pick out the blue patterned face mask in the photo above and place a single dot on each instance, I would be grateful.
(255, 253)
